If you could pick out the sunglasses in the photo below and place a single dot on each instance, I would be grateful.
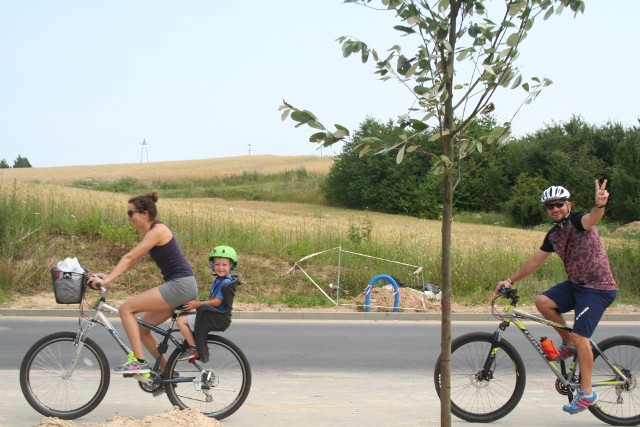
(130, 213)
(558, 205)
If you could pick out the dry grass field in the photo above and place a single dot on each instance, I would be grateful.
(283, 216)
(291, 218)
(187, 169)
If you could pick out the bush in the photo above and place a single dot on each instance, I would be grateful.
(524, 206)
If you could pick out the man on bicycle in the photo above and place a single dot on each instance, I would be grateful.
(590, 287)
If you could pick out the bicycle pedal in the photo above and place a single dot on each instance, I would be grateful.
(145, 378)
(158, 392)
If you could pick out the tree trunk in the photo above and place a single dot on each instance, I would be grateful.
(445, 328)
(447, 220)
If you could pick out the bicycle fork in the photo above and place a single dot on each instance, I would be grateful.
(78, 342)
(486, 374)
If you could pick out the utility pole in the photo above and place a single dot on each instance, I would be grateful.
(249, 149)
(144, 150)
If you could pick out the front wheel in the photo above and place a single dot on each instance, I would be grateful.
(477, 395)
(618, 405)
(64, 380)
(217, 391)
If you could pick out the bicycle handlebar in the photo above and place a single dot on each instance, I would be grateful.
(98, 287)
(509, 293)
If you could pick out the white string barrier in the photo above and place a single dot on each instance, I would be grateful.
(316, 253)
(418, 270)
(316, 285)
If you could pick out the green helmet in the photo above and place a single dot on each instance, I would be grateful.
(224, 252)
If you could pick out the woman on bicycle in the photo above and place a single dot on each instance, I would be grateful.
(179, 281)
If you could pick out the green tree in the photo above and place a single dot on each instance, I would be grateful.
(4, 164)
(378, 183)
(21, 162)
(447, 32)
(571, 154)
(625, 183)
(524, 206)
(567, 154)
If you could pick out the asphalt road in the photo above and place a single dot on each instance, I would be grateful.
(307, 345)
(310, 373)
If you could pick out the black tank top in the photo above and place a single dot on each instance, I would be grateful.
(170, 259)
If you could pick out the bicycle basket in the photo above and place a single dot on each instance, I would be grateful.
(68, 287)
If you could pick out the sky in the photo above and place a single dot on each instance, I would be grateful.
(87, 82)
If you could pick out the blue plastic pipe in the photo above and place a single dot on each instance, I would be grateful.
(367, 298)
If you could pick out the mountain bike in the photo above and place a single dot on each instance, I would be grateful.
(66, 374)
(488, 375)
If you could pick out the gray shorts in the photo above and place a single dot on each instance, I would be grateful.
(178, 291)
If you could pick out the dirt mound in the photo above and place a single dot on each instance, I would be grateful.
(382, 299)
(172, 418)
(631, 229)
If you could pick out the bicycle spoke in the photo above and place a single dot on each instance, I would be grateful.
(224, 392)
(52, 388)
(618, 404)
(479, 396)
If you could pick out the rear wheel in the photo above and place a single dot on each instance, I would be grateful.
(618, 405)
(56, 388)
(477, 396)
(220, 389)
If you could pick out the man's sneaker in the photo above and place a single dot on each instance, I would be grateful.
(188, 354)
(565, 351)
(133, 367)
(580, 402)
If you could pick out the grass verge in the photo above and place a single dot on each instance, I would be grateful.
(41, 224)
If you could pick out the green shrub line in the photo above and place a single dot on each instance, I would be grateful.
(298, 186)
(36, 231)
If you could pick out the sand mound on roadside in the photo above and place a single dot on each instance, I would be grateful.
(172, 418)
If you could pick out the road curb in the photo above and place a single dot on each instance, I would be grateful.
(313, 315)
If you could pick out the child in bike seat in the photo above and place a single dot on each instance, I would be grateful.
(222, 260)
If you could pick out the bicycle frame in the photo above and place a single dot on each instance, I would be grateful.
(99, 318)
(514, 315)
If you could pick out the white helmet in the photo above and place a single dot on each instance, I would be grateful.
(554, 193)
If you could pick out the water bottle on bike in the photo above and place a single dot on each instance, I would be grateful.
(549, 348)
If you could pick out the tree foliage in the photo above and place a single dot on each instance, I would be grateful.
(377, 183)
(524, 205)
(509, 181)
(572, 154)
(21, 162)
(625, 178)
(4, 164)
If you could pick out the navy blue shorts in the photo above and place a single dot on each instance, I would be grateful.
(589, 304)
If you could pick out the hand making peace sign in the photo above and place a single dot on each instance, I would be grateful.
(602, 195)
